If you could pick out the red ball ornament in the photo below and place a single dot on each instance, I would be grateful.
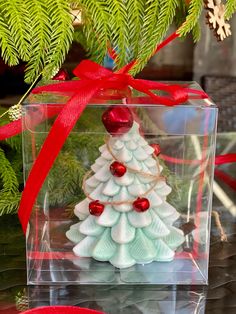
(141, 204)
(62, 75)
(96, 208)
(117, 169)
(157, 149)
(117, 120)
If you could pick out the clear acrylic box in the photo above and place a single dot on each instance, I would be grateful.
(166, 242)
(122, 299)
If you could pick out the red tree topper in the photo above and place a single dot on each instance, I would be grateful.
(117, 120)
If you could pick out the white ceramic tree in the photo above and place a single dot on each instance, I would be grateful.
(120, 233)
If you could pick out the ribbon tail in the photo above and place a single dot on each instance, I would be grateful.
(10, 129)
(51, 148)
(225, 159)
(16, 127)
(230, 181)
(144, 88)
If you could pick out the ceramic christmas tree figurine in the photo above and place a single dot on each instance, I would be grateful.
(125, 218)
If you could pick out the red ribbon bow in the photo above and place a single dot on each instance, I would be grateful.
(93, 77)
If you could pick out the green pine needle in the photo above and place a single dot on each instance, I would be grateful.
(80, 38)
(230, 8)
(61, 35)
(148, 39)
(15, 143)
(194, 12)
(181, 13)
(7, 174)
(135, 15)
(9, 202)
(196, 32)
(159, 29)
(95, 28)
(13, 11)
(8, 50)
(64, 192)
(39, 27)
(119, 30)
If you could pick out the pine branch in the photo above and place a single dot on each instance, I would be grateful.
(61, 35)
(8, 51)
(181, 13)
(62, 192)
(15, 143)
(165, 18)
(17, 166)
(9, 202)
(119, 30)
(16, 15)
(196, 32)
(135, 15)
(80, 38)
(194, 12)
(40, 34)
(95, 28)
(7, 174)
(149, 24)
(230, 8)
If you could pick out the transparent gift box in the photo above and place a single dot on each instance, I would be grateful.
(116, 299)
(128, 199)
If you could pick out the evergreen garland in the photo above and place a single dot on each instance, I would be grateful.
(40, 32)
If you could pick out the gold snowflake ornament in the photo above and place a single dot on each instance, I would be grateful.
(216, 19)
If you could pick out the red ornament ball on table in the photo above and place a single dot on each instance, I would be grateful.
(117, 120)
(96, 208)
(157, 149)
(117, 169)
(141, 204)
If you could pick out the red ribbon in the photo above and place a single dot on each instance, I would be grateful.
(219, 160)
(225, 159)
(93, 77)
(230, 181)
(10, 129)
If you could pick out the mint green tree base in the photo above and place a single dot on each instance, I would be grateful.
(120, 235)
